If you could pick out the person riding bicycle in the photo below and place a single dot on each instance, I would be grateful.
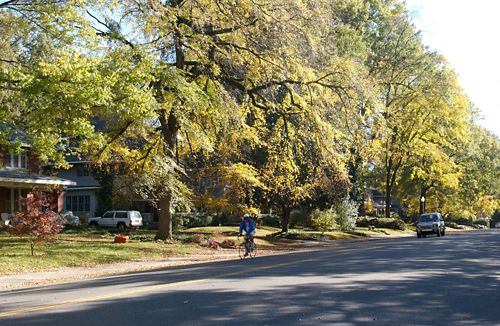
(248, 225)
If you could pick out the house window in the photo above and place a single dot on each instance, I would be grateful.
(12, 200)
(81, 171)
(17, 161)
(78, 203)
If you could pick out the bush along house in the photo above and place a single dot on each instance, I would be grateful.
(20, 174)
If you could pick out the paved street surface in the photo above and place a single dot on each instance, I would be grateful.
(453, 280)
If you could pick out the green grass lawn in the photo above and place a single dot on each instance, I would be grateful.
(85, 247)
(383, 231)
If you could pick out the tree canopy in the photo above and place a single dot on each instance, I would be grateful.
(288, 102)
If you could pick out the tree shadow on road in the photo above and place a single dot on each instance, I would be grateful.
(439, 281)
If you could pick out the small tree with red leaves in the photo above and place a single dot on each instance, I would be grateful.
(37, 221)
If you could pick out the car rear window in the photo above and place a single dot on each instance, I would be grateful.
(135, 214)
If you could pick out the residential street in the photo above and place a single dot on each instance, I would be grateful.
(452, 280)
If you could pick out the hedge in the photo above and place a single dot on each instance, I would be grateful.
(386, 223)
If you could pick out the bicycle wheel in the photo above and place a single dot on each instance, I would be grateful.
(253, 249)
(241, 250)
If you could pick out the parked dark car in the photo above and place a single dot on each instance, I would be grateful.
(430, 223)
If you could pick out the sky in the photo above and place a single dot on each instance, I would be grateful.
(467, 33)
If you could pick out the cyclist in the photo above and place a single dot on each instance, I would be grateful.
(248, 225)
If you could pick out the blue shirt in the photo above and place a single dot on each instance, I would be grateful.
(248, 226)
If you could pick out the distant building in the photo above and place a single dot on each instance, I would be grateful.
(377, 200)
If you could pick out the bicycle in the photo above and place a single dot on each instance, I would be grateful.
(252, 248)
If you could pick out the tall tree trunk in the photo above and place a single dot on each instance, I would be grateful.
(165, 218)
(285, 218)
(390, 180)
(170, 128)
(388, 195)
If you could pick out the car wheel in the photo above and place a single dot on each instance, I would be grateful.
(424, 235)
(419, 235)
(94, 224)
(121, 226)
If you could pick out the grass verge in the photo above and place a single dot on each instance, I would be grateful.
(86, 247)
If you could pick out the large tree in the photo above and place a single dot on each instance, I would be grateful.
(420, 100)
(479, 192)
(123, 80)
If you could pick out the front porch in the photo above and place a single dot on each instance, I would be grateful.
(16, 184)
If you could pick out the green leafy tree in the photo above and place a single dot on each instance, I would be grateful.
(346, 214)
(421, 102)
(292, 102)
(478, 194)
(323, 220)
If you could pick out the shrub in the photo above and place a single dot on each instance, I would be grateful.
(364, 222)
(391, 223)
(269, 220)
(38, 221)
(387, 223)
(323, 220)
(300, 217)
(225, 219)
(346, 212)
(191, 220)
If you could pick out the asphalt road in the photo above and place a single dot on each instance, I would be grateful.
(452, 280)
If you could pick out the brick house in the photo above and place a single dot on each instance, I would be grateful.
(19, 175)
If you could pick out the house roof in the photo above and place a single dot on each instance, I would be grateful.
(20, 177)
(79, 188)
(14, 134)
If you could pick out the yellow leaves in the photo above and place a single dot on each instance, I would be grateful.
(241, 175)
(232, 190)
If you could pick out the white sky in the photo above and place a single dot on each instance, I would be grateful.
(467, 33)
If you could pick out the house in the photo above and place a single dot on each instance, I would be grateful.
(377, 202)
(81, 196)
(19, 175)
(87, 197)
